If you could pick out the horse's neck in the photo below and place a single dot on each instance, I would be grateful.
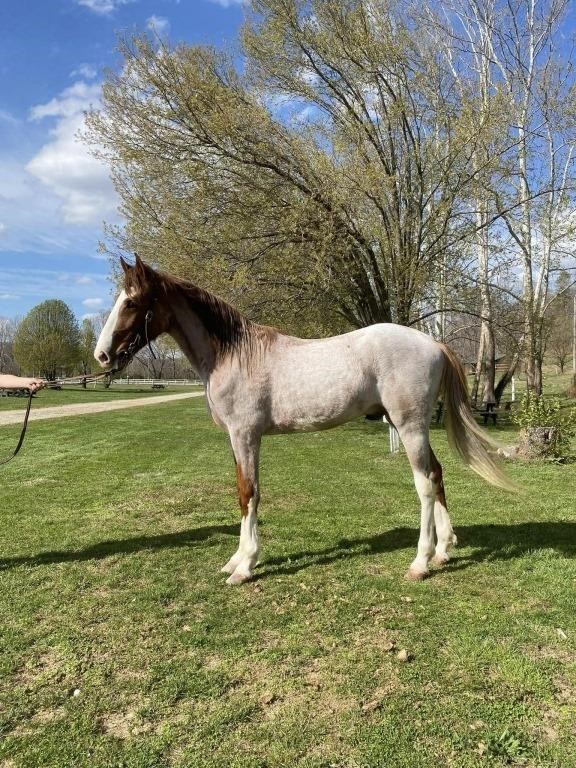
(193, 339)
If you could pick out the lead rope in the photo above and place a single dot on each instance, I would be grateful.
(75, 380)
(72, 380)
(22, 433)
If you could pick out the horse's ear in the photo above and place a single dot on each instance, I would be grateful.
(144, 275)
(125, 266)
(142, 269)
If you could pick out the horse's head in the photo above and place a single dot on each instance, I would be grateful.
(136, 318)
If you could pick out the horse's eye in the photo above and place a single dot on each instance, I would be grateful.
(129, 304)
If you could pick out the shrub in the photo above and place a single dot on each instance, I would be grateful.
(546, 424)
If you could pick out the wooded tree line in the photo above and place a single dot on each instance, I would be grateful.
(49, 342)
(361, 161)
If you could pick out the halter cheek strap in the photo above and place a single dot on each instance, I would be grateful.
(147, 319)
(133, 346)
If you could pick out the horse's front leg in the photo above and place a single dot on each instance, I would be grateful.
(246, 447)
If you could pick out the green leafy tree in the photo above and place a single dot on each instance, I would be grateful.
(7, 330)
(47, 341)
(559, 321)
(322, 186)
(88, 339)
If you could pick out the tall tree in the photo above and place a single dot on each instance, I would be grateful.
(47, 340)
(324, 184)
(87, 343)
(559, 337)
(7, 332)
(537, 197)
(514, 50)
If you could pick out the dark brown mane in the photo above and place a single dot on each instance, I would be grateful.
(229, 329)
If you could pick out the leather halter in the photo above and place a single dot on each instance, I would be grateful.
(127, 354)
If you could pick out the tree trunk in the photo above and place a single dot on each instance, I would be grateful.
(479, 367)
(489, 395)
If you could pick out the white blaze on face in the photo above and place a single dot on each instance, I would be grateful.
(103, 352)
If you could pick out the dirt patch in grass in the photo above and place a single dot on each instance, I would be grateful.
(40, 718)
(126, 674)
(45, 716)
(119, 725)
(213, 662)
(565, 692)
(39, 481)
(324, 704)
(50, 666)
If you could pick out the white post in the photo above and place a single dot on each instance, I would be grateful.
(394, 439)
(513, 393)
(393, 436)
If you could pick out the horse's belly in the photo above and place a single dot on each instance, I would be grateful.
(307, 409)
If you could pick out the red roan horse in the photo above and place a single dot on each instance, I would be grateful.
(262, 382)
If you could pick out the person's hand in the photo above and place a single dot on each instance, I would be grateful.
(34, 384)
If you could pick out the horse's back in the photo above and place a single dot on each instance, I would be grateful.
(320, 383)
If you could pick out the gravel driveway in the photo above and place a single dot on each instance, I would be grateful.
(78, 409)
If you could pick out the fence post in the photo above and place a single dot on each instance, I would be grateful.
(393, 436)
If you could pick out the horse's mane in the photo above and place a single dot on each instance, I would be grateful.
(229, 330)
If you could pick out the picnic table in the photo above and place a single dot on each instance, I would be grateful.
(15, 393)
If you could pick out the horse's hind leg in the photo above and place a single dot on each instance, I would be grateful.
(430, 487)
(415, 439)
(414, 436)
(246, 449)
(444, 533)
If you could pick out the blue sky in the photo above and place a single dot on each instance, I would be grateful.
(53, 195)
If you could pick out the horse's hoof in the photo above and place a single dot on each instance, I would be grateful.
(237, 578)
(413, 575)
(227, 568)
(440, 560)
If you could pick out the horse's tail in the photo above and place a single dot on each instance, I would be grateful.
(465, 436)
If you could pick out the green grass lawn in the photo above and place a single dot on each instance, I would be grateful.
(556, 383)
(120, 644)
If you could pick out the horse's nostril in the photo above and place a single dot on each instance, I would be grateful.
(103, 358)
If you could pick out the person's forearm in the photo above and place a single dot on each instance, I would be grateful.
(12, 382)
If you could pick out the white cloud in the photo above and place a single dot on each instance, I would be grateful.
(6, 117)
(103, 7)
(93, 303)
(308, 76)
(228, 3)
(85, 70)
(64, 165)
(34, 216)
(83, 280)
(8, 296)
(39, 284)
(72, 101)
(159, 25)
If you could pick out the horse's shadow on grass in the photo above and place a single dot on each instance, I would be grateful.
(188, 538)
(484, 542)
